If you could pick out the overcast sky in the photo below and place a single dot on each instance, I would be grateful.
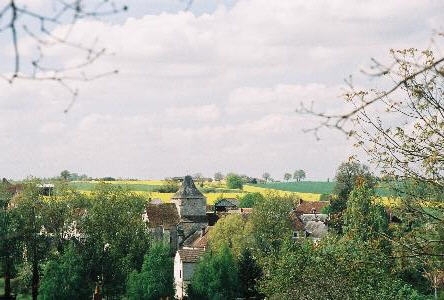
(210, 89)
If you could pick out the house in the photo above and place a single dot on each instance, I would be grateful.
(162, 220)
(185, 262)
(308, 219)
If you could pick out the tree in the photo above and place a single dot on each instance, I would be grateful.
(215, 277)
(155, 280)
(333, 269)
(249, 275)
(231, 231)
(116, 237)
(271, 225)
(299, 175)
(266, 176)
(198, 177)
(364, 220)
(28, 207)
(39, 26)
(347, 174)
(64, 277)
(65, 174)
(287, 176)
(9, 240)
(234, 181)
(250, 199)
(404, 141)
(218, 176)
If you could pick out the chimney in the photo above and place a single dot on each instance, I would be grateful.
(202, 231)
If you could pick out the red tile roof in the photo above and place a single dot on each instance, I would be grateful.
(191, 255)
(162, 215)
(307, 207)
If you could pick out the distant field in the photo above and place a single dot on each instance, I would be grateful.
(130, 185)
(265, 190)
(313, 187)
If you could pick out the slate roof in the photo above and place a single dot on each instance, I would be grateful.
(162, 214)
(316, 229)
(188, 190)
(190, 255)
(227, 202)
(306, 207)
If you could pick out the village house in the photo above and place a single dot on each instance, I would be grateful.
(309, 220)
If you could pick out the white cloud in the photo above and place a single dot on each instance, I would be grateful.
(207, 92)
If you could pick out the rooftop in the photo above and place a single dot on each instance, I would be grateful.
(188, 190)
(164, 214)
(308, 207)
(191, 255)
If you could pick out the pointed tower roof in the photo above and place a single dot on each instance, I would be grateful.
(188, 190)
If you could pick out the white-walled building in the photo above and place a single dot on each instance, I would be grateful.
(185, 262)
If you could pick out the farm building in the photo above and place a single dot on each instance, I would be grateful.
(226, 204)
(308, 220)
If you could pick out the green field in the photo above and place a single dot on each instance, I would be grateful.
(314, 187)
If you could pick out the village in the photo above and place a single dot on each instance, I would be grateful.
(185, 223)
(221, 150)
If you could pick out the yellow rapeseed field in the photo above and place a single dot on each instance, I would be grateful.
(304, 196)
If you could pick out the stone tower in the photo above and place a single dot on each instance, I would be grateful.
(191, 205)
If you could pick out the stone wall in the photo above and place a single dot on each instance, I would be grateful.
(191, 207)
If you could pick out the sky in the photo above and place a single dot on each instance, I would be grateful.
(205, 89)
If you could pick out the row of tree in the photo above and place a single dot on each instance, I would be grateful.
(64, 245)
(361, 258)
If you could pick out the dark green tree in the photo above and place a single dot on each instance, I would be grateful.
(215, 277)
(9, 239)
(116, 237)
(234, 181)
(155, 280)
(287, 176)
(64, 277)
(65, 174)
(249, 275)
(299, 175)
(251, 199)
(346, 176)
(28, 206)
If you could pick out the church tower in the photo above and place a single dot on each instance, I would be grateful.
(191, 205)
